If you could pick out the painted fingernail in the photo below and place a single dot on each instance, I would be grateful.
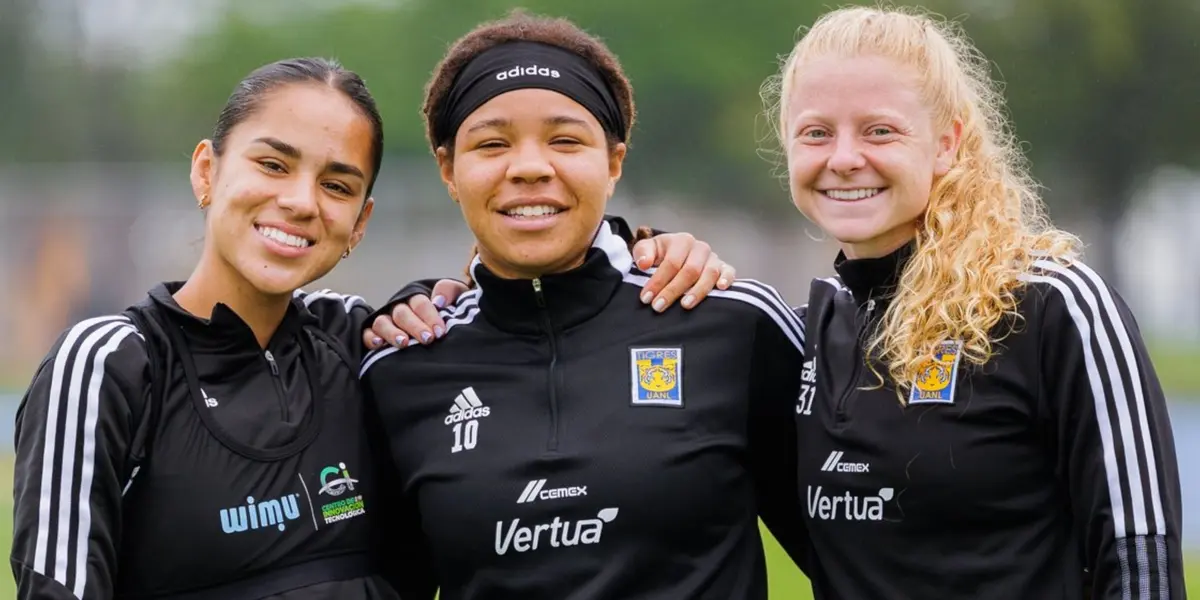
(426, 336)
(660, 304)
(376, 342)
(439, 301)
(646, 297)
(413, 342)
(438, 331)
(688, 301)
(400, 340)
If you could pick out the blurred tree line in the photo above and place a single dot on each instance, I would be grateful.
(1102, 91)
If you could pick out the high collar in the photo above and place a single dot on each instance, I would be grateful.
(225, 331)
(567, 299)
(873, 278)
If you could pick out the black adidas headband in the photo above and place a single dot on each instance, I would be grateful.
(521, 65)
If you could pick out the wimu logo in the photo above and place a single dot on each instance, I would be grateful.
(519, 71)
(258, 515)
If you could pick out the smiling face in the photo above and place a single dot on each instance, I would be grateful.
(533, 172)
(288, 191)
(863, 150)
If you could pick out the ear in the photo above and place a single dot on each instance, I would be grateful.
(360, 226)
(948, 148)
(203, 166)
(446, 169)
(616, 163)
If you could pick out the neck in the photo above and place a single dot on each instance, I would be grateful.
(213, 282)
(506, 270)
(880, 246)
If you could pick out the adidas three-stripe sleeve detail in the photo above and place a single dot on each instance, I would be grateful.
(1115, 435)
(72, 433)
(755, 293)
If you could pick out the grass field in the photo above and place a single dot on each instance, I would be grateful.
(787, 583)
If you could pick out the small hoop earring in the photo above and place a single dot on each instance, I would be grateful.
(202, 202)
(346, 254)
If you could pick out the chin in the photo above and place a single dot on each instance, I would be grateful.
(539, 258)
(273, 281)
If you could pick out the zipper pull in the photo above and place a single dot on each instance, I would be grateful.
(271, 361)
(537, 292)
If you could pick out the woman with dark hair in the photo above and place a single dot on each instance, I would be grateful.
(561, 440)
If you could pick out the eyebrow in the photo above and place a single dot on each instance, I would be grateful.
(870, 115)
(501, 123)
(283, 147)
(293, 152)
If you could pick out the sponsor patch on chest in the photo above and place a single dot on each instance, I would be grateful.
(657, 375)
(936, 378)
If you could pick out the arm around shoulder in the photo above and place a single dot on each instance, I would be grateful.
(73, 429)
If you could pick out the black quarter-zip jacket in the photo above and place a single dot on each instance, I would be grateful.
(257, 478)
(1048, 471)
(565, 442)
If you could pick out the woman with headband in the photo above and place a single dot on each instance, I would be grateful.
(562, 441)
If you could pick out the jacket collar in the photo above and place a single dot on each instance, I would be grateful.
(566, 299)
(873, 278)
(225, 331)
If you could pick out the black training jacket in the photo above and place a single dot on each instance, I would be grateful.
(565, 442)
(1048, 471)
(160, 455)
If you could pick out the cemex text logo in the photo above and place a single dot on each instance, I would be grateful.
(534, 491)
(834, 464)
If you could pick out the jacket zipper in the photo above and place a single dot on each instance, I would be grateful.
(552, 443)
(278, 382)
(859, 361)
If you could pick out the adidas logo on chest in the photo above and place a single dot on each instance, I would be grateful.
(467, 406)
(465, 413)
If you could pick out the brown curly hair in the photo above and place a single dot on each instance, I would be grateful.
(520, 26)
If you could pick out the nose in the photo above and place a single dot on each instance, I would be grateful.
(530, 164)
(300, 200)
(847, 156)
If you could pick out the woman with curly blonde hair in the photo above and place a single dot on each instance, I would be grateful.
(980, 417)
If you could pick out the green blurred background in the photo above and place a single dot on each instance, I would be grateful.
(102, 101)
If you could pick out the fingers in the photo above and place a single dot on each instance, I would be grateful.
(371, 340)
(385, 329)
(431, 323)
(409, 324)
(645, 253)
(728, 274)
(673, 248)
(447, 291)
(418, 321)
(708, 280)
(690, 276)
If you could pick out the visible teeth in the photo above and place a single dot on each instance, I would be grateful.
(531, 211)
(284, 238)
(852, 194)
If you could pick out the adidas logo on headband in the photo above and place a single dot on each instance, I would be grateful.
(533, 70)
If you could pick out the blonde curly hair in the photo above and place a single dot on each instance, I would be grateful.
(985, 223)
